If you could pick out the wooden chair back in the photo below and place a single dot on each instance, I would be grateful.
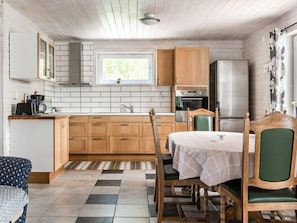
(275, 152)
(202, 120)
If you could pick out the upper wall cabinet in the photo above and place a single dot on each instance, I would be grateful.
(31, 57)
(165, 66)
(191, 66)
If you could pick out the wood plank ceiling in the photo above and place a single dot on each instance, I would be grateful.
(180, 19)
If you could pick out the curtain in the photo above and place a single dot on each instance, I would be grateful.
(277, 70)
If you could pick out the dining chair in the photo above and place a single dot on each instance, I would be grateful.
(168, 177)
(269, 175)
(202, 120)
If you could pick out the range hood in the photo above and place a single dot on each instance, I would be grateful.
(75, 79)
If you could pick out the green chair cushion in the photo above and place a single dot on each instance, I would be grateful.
(170, 173)
(202, 123)
(167, 159)
(258, 195)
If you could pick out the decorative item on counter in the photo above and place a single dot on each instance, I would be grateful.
(119, 81)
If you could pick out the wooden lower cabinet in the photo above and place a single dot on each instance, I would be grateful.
(120, 134)
(98, 145)
(124, 145)
(78, 145)
(61, 143)
(180, 126)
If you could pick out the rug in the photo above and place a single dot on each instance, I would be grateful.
(109, 165)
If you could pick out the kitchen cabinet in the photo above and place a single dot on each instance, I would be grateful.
(191, 66)
(45, 145)
(165, 127)
(180, 126)
(78, 135)
(31, 57)
(61, 142)
(165, 67)
(116, 134)
(125, 134)
(98, 139)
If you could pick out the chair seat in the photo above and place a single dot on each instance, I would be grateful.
(12, 202)
(167, 159)
(257, 195)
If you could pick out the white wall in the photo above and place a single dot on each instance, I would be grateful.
(256, 49)
(109, 98)
(13, 90)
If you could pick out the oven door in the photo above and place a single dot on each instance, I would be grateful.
(189, 102)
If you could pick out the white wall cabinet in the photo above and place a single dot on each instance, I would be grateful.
(31, 57)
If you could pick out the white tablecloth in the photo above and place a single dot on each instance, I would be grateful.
(206, 155)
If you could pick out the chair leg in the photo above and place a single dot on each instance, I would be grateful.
(223, 204)
(160, 203)
(205, 199)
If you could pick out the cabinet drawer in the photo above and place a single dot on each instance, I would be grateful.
(148, 145)
(125, 129)
(97, 118)
(78, 118)
(78, 129)
(126, 118)
(125, 145)
(78, 145)
(180, 126)
(98, 145)
(160, 118)
(163, 128)
(97, 129)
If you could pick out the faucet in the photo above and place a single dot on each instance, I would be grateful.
(128, 107)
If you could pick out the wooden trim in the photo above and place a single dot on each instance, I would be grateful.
(44, 177)
(112, 157)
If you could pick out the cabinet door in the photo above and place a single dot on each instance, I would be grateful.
(125, 129)
(78, 129)
(149, 145)
(61, 143)
(180, 126)
(78, 145)
(125, 145)
(98, 145)
(42, 63)
(165, 66)
(97, 129)
(51, 62)
(191, 66)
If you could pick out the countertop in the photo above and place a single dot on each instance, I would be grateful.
(58, 115)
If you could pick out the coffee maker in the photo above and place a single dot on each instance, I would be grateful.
(39, 101)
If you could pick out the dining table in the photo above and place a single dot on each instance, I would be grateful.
(214, 156)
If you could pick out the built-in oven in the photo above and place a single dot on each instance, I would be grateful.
(192, 99)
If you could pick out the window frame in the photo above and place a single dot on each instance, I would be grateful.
(147, 54)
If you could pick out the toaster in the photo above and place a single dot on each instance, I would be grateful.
(26, 109)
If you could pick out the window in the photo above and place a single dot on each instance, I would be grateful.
(125, 68)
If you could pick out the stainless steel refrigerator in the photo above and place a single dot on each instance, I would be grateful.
(229, 91)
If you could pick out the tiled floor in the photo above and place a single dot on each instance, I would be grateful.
(92, 196)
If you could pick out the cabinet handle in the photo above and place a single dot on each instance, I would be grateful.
(124, 124)
(97, 124)
(97, 117)
(122, 139)
(97, 138)
(71, 138)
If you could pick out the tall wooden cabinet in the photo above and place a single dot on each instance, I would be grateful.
(165, 67)
(191, 66)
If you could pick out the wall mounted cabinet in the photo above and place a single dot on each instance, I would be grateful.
(31, 57)
(165, 67)
(191, 66)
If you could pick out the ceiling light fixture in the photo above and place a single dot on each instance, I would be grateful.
(149, 19)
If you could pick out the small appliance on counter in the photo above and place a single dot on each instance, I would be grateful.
(39, 101)
(27, 108)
